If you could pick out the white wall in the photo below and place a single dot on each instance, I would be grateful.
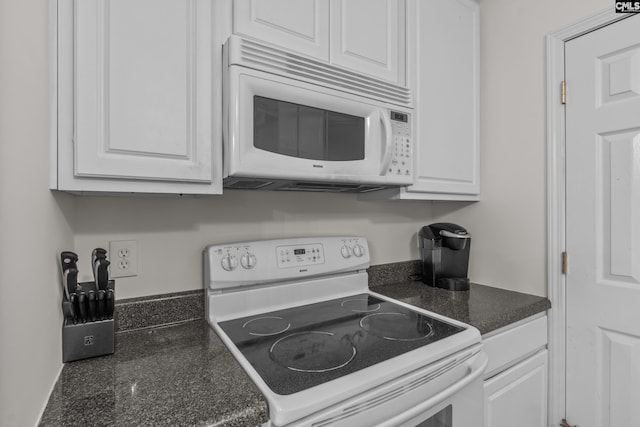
(35, 225)
(172, 232)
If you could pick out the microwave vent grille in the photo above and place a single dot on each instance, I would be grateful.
(274, 60)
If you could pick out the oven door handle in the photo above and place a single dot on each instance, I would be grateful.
(477, 366)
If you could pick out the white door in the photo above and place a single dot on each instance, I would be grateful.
(603, 226)
(518, 396)
(142, 106)
(368, 36)
(447, 96)
(300, 25)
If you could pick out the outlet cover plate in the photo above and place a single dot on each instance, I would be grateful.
(123, 255)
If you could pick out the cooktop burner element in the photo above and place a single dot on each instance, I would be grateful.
(325, 341)
(359, 305)
(397, 326)
(312, 351)
(266, 325)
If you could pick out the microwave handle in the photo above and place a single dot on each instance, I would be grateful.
(388, 141)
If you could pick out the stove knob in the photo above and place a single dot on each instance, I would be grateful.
(345, 251)
(248, 261)
(358, 250)
(229, 262)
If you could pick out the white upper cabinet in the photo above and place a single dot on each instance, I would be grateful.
(136, 97)
(300, 25)
(367, 36)
(447, 92)
(443, 68)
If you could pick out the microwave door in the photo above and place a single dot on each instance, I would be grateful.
(286, 129)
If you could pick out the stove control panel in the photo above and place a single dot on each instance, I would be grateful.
(299, 255)
(233, 265)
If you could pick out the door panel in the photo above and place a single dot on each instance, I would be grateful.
(603, 226)
(143, 90)
(300, 25)
(368, 36)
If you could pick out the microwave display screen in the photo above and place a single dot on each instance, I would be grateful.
(306, 132)
(399, 117)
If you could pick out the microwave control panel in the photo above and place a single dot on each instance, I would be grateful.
(402, 158)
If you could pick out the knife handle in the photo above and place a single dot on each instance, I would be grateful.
(82, 306)
(91, 302)
(71, 279)
(102, 274)
(67, 311)
(110, 303)
(73, 304)
(101, 305)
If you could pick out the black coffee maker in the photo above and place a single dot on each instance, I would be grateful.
(444, 248)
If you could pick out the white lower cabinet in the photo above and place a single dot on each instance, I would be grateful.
(518, 396)
(516, 380)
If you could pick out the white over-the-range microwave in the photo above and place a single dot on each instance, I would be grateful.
(294, 123)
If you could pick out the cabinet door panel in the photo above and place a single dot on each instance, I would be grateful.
(518, 396)
(447, 93)
(300, 25)
(369, 36)
(143, 89)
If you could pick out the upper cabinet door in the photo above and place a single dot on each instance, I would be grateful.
(137, 97)
(369, 36)
(142, 89)
(447, 92)
(300, 25)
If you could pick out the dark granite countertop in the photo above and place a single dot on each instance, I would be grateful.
(179, 375)
(183, 375)
(484, 307)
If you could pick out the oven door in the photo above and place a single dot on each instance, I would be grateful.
(447, 393)
(281, 128)
(464, 408)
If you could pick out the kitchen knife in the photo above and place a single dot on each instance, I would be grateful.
(101, 304)
(68, 261)
(109, 303)
(97, 255)
(82, 306)
(102, 274)
(92, 304)
(74, 311)
(67, 311)
(72, 280)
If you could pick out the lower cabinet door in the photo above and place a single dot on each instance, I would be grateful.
(518, 395)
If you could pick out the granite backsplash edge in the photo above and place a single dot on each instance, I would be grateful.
(170, 309)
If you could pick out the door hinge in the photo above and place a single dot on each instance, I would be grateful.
(564, 423)
(565, 262)
(563, 92)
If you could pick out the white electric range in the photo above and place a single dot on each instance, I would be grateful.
(326, 351)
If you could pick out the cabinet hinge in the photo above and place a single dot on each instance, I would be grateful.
(564, 423)
(565, 262)
(563, 92)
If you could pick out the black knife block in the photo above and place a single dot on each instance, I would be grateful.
(90, 339)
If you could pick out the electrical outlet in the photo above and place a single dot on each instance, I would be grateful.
(123, 255)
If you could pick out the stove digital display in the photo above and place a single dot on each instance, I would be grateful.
(299, 251)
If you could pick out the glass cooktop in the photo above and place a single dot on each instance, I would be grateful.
(305, 346)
